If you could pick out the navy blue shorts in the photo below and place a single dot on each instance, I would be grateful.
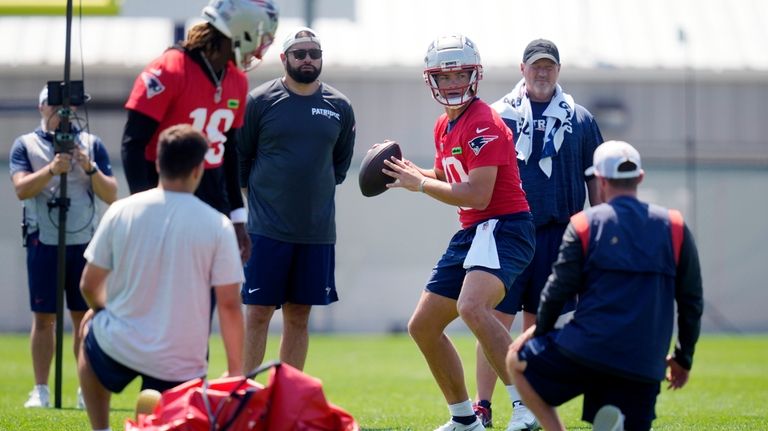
(115, 376)
(558, 378)
(280, 272)
(514, 237)
(42, 274)
(532, 280)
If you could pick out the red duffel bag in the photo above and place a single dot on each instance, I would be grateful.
(291, 401)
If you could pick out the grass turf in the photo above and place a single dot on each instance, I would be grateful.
(384, 382)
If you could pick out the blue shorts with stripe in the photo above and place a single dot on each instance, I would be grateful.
(42, 274)
(532, 280)
(514, 238)
(280, 272)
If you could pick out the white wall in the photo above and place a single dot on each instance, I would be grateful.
(387, 244)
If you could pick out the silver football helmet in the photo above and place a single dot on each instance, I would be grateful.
(251, 24)
(452, 54)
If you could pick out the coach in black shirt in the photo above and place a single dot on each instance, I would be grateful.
(295, 148)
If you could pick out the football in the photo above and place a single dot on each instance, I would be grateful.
(372, 181)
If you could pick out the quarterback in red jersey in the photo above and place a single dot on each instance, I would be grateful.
(480, 139)
(475, 169)
(201, 82)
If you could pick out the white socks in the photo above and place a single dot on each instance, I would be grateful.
(513, 394)
(463, 408)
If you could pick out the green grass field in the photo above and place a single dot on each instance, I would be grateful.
(383, 381)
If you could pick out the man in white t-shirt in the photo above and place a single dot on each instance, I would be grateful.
(151, 265)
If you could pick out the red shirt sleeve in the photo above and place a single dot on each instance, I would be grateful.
(154, 89)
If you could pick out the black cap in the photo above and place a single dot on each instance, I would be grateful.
(541, 48)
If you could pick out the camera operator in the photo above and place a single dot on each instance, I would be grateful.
(36, 164)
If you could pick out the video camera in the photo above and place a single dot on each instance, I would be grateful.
(64, 141)
(77, 94)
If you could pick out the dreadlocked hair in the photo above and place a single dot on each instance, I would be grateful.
(203, 36)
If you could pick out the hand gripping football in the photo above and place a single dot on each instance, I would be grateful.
(372, 181)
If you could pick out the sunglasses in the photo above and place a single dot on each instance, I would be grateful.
(301, 54)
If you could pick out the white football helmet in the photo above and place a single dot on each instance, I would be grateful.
(452, 54)
(251, 24)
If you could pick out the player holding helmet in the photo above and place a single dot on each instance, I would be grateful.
(475, 169)
(201, 82)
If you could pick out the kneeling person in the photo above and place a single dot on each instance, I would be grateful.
(162, 249)
(635, 267)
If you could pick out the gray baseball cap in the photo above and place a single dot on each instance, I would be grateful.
(541, 48)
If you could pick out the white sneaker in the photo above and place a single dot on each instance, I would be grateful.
(80, 400)
(39, 397)
(455, 426)
(608, 418)
(522, 418)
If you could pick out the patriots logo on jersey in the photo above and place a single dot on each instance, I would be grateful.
(152, 84)
(479, 142)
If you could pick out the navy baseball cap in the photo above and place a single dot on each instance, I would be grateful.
(541, 48)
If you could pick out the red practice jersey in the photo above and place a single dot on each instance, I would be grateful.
(174, 89)
(480, 138)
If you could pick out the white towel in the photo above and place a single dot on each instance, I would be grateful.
(559, 114)
(483, 252)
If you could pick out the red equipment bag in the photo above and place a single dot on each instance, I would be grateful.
(291, 401)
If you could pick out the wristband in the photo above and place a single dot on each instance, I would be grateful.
(50, 171)
(239, 215)
(421, 186)
(94, 169)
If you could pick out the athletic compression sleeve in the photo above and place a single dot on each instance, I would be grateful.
(139, 172)
(232, 171)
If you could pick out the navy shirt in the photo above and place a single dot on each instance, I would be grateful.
(627, 284)
(556, 198)
(294, 150)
